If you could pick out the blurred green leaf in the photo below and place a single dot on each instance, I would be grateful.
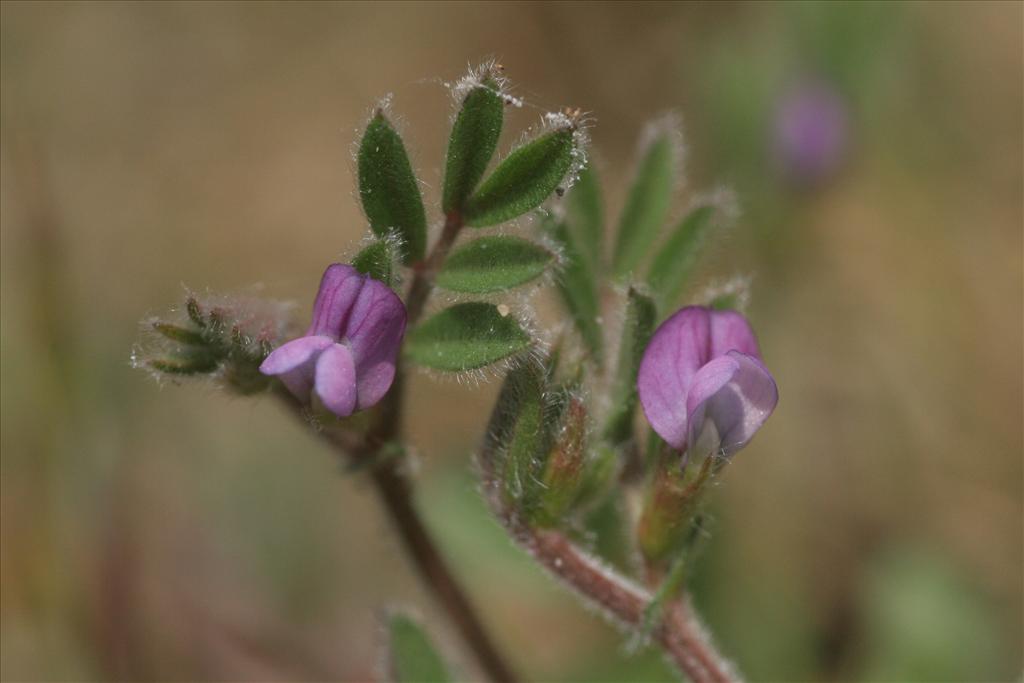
(728, 301)
(473, 141)
(923, 621)
(493, 264)
(523, 180)
(584, 216)
(649, 200)
(411, 656)
(675, 261)
(636, 331)
(377, 260)
(388, 189)
(465, 337)
(577, 285)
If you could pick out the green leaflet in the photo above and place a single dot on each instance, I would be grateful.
(636, 332)
(465, 337)
(523, 180)
(585, 216)
(388, 189)
(493, 264)
(377, 260)
(472, 143)
(648, 203)
(411, 655)
(675, 261)
(577, 285)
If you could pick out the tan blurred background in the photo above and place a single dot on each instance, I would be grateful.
(873, 531)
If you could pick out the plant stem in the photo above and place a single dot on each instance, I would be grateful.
(680, 633)
(395, 494)
(423, 280)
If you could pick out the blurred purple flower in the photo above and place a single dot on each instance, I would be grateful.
(811, 131)
(702, 369)
(348, 354)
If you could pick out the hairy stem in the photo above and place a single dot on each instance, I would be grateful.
(423, 280)
(679, 633)
(395, 494)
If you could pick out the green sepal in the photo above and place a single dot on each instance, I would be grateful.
(377, 260)
(671, 504)
(648, 203)
(563, 470)
(388, 189)
(493, 264)
(674, 263)
(525, 439)
(636, 332)
(523, 180)
(182, 335)
(195, 311)
(466, 337)
(411, 656)
(472, 143)
(198, 364)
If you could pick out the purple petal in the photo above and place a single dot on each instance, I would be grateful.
(335, 381)
(677, 350)
(730, 331)
(293, 362)
(339, 289)
(375, 330)
(735, 394)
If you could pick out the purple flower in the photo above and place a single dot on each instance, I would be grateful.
(348, 354)
(702, 370)
(811, 131)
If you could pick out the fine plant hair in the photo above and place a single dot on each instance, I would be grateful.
(566, 436)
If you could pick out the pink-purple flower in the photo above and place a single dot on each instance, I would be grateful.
(701, 380)
(347, 357)
(811, 132)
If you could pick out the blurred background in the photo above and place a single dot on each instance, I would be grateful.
(872, 532)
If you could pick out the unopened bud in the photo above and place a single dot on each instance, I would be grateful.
(564, 469)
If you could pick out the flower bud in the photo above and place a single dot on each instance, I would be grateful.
(563, 472)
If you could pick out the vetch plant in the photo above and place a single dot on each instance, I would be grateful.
(565, 440)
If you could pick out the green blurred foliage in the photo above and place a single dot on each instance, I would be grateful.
(871, 532)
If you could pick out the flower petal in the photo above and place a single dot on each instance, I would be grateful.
(335, 381)
(677, 350)
(730, 331)
(339, 289)
(375, 330)
(735, 394)
(293, 362)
